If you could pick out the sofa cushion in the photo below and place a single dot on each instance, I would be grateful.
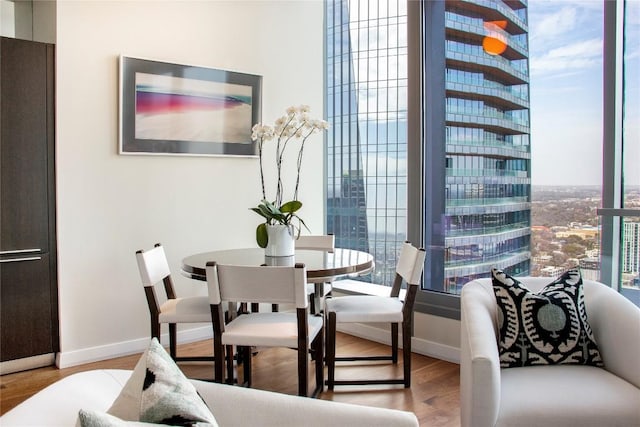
(566, 395)
(158, 392)
(241, 406)
(544, 328)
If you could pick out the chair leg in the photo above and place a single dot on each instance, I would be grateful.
(319, 356)
(312, 303)
(394, 343)
(303, 371)
(155, 328)
(172, 340)
(315, 299)
(406, 353)
(331, 349)
(246, 365)
(229, 363)
(219, 355)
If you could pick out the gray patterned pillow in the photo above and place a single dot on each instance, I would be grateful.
(102, 419)
(158, 392)
(544, 328)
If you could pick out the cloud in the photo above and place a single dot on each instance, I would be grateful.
(554, 24)
(576, 56)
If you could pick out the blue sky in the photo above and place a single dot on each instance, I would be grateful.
(565, 44)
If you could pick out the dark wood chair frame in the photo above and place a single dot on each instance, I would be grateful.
(407, 329)
(315, 299)
(154, 310)
(224, 353)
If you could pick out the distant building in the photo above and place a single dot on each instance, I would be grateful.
(539, 228)
(551, 271)
(542, 259)
(488, 180)
(347, 209)
(593, 253)
(583, 233)
(631, 247)
(590, 268)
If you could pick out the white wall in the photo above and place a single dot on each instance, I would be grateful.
(111, 205)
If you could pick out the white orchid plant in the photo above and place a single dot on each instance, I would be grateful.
(294, 126)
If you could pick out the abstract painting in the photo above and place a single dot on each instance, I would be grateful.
(178, 109)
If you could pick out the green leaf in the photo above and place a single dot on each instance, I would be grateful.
(302, 222)
(282, 219)
(272, 208)
(261, 235)
(265, 212)
(291, 207)
(259, 212)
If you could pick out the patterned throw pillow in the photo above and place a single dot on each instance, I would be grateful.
(101, 419)
(158, 392)
(544, 328)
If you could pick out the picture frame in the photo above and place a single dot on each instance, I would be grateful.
(176, 109)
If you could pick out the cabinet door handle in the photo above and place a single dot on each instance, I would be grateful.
(20, 251)
(29, 258)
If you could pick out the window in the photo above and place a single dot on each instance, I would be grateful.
(432, 138)
(620, 213)
(367, 141)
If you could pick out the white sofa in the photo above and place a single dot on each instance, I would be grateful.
(559, 395)
(58, 405)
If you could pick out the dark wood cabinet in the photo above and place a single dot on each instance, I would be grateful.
(28, 272)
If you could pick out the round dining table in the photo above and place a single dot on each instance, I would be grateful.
(322, 266)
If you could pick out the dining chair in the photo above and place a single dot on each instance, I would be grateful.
(263, 284)
(378, 309)
(320, 288)
(325, 242)
(154, 268)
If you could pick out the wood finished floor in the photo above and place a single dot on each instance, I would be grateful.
(433, 396)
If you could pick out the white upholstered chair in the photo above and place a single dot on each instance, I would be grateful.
(557, 395)
(378, 309)
(321, 287)
(154, 268)
(274, 285)
(323, 242)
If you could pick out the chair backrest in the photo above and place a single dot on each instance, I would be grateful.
(153, 265)
(410, 263)
(252, 284)
(324, 242)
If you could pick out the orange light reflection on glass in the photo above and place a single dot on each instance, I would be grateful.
(495, 42)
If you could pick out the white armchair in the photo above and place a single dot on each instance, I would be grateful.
(558, 395)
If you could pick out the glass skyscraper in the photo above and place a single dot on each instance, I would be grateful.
(486, 195)
(488, 183)
(367, 141)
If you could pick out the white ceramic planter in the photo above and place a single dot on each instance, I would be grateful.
(281, 240)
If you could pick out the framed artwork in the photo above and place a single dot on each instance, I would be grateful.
(175, 109)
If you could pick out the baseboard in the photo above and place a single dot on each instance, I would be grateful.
(418, 345)
(435, 350)
(125, 348)
(17, 365)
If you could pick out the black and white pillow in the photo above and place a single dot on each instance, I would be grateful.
(158, 392)
(89, 418)
(544, 328)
